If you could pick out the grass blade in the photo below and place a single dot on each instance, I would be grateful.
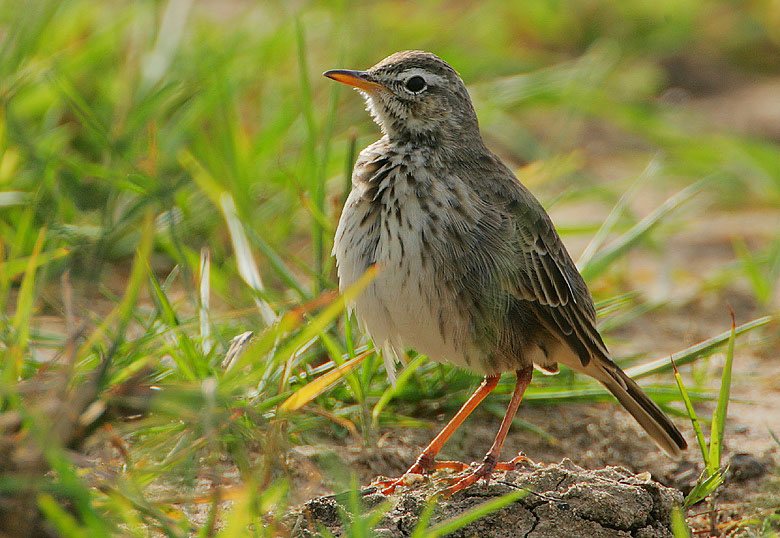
(704, 488)
(702, 349)
(247, 267)
(762, 287)
(309, 161)
(350, 163)
(278, 265)
(692, 415)
(11, 268)
(65, 523)
(81, 109)
(310, 391)
(339, 356)
(169, 36)
(329, 313)
(240, 514)
(24, 311)
(774, 436)
(599, 262)
(679, 526)
(424, 519)
(125, 309)
(395, 388)
(260, 347)
(190, 367)
(719, 417)
(600, 237)
(204, 300)
(473, 514)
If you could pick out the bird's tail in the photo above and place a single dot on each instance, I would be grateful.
(642, 408)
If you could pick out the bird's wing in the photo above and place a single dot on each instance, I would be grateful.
(547, 278)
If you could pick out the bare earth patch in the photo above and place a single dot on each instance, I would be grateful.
(559, 500)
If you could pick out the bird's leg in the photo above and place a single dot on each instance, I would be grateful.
(426, 460)
(489, 463)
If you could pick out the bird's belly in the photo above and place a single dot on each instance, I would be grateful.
(404, 309)
(405, 306)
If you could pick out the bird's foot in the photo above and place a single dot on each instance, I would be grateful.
(388, 486)
(415, 474)
(484, 470)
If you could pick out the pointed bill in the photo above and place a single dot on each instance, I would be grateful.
(358, 79)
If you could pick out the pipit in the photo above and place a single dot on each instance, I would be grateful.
(472, 270)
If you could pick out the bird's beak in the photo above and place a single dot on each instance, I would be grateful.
(358, 79)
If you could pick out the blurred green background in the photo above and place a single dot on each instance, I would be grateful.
(139, 139)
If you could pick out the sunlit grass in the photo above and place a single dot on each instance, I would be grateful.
(171, 175)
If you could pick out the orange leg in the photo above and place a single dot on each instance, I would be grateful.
(491, 458)
(425, 461)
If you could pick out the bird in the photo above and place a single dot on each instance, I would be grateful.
(471, 269)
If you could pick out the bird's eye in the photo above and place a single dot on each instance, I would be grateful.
(415, 84)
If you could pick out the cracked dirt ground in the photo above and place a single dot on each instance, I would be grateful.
(560, 500)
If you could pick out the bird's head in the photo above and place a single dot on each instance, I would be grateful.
(415, 96)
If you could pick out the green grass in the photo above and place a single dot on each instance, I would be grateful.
(712, 476)
(171, 175)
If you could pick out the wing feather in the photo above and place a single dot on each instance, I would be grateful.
(547, 277)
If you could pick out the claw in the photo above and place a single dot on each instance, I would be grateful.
(415, 475)
(513, 464)
(387, 487)
(486, 468)
(483, 471)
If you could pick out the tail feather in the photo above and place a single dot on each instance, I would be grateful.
(642, 408)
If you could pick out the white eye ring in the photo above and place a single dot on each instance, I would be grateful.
(415, 84)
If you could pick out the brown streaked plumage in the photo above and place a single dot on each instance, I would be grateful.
(473, 271)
